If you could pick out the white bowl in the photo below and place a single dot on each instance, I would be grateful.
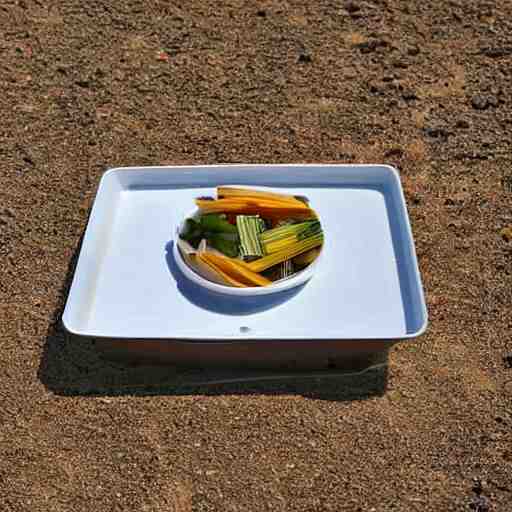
(282, 285)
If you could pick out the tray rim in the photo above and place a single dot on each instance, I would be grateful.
(395, 175)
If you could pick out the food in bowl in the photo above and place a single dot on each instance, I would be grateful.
(250, 238)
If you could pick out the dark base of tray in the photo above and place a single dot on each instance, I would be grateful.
(350, 356)
(74, 365)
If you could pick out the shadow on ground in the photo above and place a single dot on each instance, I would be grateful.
(73, 366)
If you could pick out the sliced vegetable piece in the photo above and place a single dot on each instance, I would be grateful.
(249, 229)
(231, 192)
(306, 258)
(290, 252)
(311, 229)
(279, 245)
(224, 245)
(286, 269)
(191, 232)
(185, 247)
(237, 270)
(278, 239)
(286, 230)
(206, 271)
(254, 207)
(199, 266)
(204, 258)
(216, 223)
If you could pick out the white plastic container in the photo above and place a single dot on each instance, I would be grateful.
(365, 293)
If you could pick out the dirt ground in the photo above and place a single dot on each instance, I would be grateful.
(423, 85)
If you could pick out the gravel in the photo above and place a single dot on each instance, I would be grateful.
(84, 87)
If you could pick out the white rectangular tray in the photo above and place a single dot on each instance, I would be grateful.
(367, 286)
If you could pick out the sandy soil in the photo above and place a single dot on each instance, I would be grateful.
(423, 85)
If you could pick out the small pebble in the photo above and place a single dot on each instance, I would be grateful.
(83, 83)
(480, 102)
(497, 52)
(372, 45)
(374, 88)
(400, 64)
(409, 95)
(396, 152)
(435, 133)
(305, 57)
(352, 7)
(506, 234)
(493, 101)
(478, 486)
(480, 504)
